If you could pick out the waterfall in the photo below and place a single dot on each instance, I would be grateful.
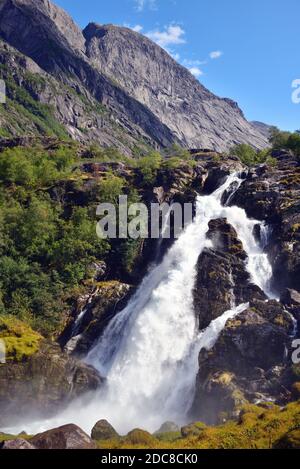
(149, 351)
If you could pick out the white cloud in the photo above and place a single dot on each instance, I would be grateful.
(141, 4)
(196, 71)
(172, 35)
(137, 28)
(216, 54)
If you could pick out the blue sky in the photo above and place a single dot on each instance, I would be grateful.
(247, 50)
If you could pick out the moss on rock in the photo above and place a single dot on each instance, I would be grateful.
(20, 340)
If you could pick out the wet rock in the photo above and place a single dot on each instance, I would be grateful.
(103, 430)
(65, 437)
(97, 309)
(222, 278)
(291, 299)
(273, 194)
(43, 384)
(19, 443)
(247, 363)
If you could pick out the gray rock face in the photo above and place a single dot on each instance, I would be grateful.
(263, 128)
(145, 93)
(198, 118)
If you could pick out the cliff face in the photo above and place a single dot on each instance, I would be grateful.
(38, 30)
(198, 118)
(146, 95)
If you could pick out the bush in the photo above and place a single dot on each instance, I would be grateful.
(245, 153)
(176, 151)
(285, 141)
(250, 157)
(148, 166)
(34, 168)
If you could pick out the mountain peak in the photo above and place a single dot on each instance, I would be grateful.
(42, 15)
(140, 85)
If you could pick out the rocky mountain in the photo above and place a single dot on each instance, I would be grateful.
(263, 128)
(107, 84)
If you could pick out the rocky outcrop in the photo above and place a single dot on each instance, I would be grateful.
(93, 313)
(272, 193)
(291, 300)
(222, 278)
(248, 362)
(103, 430)
(43, 383)
(65, 437)
(112, 84)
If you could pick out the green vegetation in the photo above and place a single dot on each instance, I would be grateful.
(148, 166)
(278, 141)
(45, 249)
(20, 340)
(286, 141)
(257, 428)
(22, 108)
(251, 157)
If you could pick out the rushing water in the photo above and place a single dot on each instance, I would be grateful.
(149, 351)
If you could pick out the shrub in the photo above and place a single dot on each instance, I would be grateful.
(245, 153)
(148, 166)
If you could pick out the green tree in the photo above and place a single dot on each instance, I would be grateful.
(278, 139)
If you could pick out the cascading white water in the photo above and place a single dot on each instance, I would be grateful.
(149, 350)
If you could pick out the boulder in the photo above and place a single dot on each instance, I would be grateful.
(193, 429)
(19, 443)
(167, 427)
(103, 430)
(65, 437)
(138, 437)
